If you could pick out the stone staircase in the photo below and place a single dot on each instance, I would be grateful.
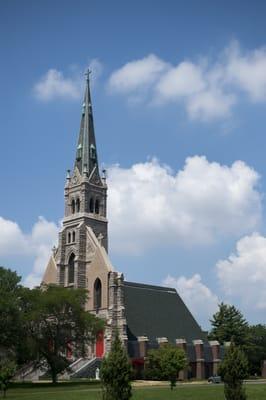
(31, 371)
(85, 368)
(80, 368)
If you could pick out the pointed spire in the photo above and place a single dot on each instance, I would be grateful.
(86, 156)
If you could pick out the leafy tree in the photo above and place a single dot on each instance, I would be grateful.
(10, 293)
(14, 342)
(7, 371)
(153, 369)
(116, 373)
(229, 324)
(233, 370)
(256, 349)
(55, 319)
(165, 363)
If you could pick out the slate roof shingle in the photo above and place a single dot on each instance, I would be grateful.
(156, 311)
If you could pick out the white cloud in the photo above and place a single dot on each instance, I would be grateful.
(55, 85)
(137, 74)
(184, 80)
(11, 234)
(149, 205)
(243, 274)
(198, 297)
(207, 88)
(96, 68)
(37, 244)
(210, 105)
(247, 71)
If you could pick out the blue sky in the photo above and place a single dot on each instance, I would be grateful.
(172, 81)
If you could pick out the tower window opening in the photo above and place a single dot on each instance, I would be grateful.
(92, 152)
(78, 205)
(91, 205)
(71, 269)
(73, 206)
(79, 152)
(73, 236)
(97, 294)
(69, 237)
(97, 206)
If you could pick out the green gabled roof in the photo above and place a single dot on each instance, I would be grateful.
(156, 311)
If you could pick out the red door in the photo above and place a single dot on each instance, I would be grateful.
(100, 344)
(69, 350)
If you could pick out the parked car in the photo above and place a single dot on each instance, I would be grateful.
(215, 379)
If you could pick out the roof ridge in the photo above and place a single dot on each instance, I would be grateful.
(150, 287)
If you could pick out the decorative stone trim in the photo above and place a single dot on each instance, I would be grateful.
(162, 340)
(181, 341)
(214, 343)
(142, 338)
(197, 341)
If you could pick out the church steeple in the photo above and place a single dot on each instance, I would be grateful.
(86, 155)
(85, 190)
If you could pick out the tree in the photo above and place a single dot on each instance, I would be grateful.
(233, 370)
(10, 294)
(229, 324)
(165, 363)
(116, 373)
(14, 342)
(256, 349)
(7, 371)
(55, 320)
(153, 365)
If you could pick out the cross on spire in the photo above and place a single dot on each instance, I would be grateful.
(87, 74)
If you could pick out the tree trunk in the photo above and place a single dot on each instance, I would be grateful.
(54, 376)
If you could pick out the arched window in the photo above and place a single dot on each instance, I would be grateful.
(78, 205)
(69, 237)
(71, 269)
(97, 294)
(73, 236)
(73, 206)
(97, 206)
(91, 205)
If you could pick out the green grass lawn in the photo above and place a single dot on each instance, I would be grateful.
(92, 392)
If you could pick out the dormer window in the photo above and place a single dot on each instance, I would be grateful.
(92, 152)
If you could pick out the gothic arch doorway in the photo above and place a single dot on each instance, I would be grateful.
(99, 344)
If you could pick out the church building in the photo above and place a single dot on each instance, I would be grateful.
(146, 316)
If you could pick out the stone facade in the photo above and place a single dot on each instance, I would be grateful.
(81, 258)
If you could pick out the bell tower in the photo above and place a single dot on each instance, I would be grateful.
(85, 203)
(85, 189)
